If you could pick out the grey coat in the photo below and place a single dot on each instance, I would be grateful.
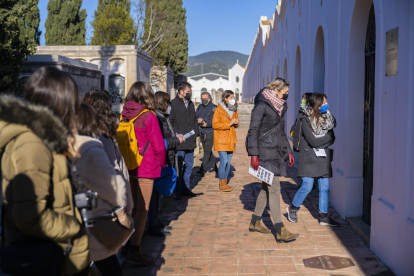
(309, 165)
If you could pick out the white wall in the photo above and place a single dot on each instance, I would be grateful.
(198, 85)
(237, 71)
(299, 29)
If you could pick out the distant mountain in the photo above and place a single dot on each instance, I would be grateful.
(215, 62)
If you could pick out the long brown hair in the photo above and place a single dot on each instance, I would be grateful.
(106, 118)
(314, 103)
(162, 100)
(141, 92)
(50, 87)
(225, 95)
(87, 123)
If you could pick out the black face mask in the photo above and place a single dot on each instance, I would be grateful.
(205, 102)
(188, 96)
(285, 97)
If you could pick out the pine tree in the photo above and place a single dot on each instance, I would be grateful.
(19, 36)
(65, 23)
(173, 49)
(113, 24)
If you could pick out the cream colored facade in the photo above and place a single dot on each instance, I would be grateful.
(121, 65)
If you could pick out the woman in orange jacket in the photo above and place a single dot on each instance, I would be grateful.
(225, 120)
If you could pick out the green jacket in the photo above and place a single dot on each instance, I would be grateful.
(35, 185)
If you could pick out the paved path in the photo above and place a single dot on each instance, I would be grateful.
(211, 236)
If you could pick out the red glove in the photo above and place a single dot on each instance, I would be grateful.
(255, 162)
(291, 160)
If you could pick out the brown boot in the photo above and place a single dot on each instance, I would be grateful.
(256, 226)
(136, 256)
(224, 187)
(285, 235)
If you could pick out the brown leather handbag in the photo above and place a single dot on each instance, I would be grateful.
(113, 229)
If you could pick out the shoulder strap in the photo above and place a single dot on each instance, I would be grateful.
(133, 119)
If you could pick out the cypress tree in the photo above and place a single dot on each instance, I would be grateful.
(65, 23)
(173, 49)
(19, 36)
(113, 24)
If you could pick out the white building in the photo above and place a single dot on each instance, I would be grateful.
(210, 82)
(350, 50)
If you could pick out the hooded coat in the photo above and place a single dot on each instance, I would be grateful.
(266, 136)
(225, 137)
(37, 192)
(146, 129)
(95, 172)
(309, 164)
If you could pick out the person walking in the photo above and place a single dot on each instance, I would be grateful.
(148, 132)
(95, 172)
(204, 113)
(183, 120)
(162, 110)
(317, 133)
(269, 148)
(225, 121)
(36, 190)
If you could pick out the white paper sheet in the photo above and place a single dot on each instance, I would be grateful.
(262, 174)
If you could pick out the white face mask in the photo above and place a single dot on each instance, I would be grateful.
(232, 102)
(168, 110)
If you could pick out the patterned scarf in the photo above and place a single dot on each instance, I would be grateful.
(274, 99)
(326, 122)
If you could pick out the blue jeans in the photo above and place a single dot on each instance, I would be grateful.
(224, 168)
(184, 171)
(305, 189)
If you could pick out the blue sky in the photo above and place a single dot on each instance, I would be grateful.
(212, 25)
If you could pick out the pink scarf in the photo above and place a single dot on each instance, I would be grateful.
(274, 99)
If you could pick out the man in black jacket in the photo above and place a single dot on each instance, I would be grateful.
(183, 120)
(205, 112)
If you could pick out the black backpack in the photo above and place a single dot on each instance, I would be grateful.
(296, 133)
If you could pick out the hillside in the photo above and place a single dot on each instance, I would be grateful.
(216, 62)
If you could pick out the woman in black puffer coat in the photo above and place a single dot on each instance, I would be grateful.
(269, 147)
(162, 105)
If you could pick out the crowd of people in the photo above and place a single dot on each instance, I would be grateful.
(72, 181)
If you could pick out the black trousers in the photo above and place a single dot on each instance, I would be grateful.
(108, 267)
(208, 151)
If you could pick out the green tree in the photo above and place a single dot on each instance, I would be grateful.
(171, 49)
(65, 23)
(113, 24)
(19, 36)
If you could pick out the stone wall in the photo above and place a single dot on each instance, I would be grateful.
(86, 75)
(121, 65)
(162, 79)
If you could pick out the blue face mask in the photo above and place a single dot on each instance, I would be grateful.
(324, 108)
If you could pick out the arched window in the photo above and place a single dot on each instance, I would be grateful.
(203, 89)
(221, 90)
(237, 79)
(117, 87)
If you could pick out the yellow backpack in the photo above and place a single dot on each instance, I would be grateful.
(128, 144)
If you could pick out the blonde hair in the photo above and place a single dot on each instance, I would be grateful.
(278, 83)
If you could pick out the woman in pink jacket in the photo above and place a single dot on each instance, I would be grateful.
(141, 97)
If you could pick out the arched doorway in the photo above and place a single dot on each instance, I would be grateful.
(298, 77)
(369, 95)
(319, 63)
(237, 91)
(285, 70)
(116, 87)
(277, 71)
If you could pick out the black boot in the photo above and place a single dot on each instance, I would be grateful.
(324, 219)
(124, 250)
